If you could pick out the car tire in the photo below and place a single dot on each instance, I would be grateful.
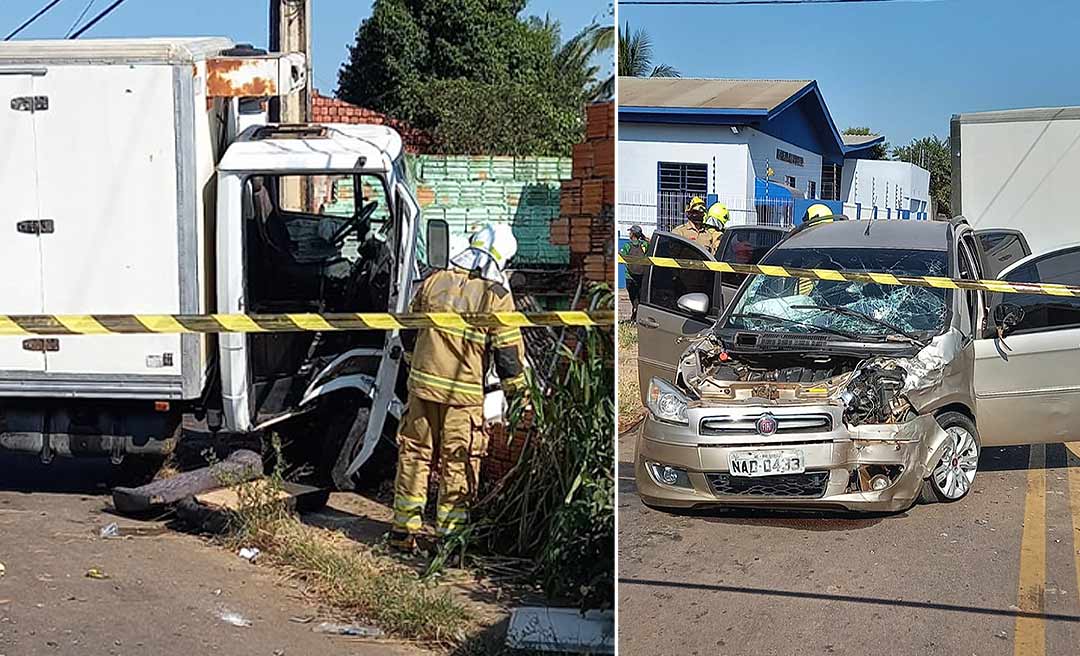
(954, 474)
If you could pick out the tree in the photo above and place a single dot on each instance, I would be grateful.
(412, 60)
(935, 156)
(880, 151)
(635, 56)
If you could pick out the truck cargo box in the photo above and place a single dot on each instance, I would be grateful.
(1018, 169)
(106, 176)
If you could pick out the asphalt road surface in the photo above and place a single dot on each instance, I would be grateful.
(166, 592)
(993, 574)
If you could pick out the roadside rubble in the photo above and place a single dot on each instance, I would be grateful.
(564, 630)
(354, 630)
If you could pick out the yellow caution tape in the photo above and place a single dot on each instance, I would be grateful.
(126, 324)
(881, 278)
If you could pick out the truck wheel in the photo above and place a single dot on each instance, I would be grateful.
(954, 474)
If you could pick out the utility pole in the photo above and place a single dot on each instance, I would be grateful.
(290, 31)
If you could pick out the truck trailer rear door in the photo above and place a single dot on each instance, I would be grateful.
(20, 240)
(108, 171)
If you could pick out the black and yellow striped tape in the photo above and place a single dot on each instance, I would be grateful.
(1047, 289)
(111, 324)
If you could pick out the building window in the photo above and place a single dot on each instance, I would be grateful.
(789, 180)
(811, 189)
(830, 181)
(676, 184)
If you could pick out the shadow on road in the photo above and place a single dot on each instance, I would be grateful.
(857, 599)
(24, 473)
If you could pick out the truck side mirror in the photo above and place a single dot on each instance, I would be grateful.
(696, 303)
(1006, 317)
(438, 243)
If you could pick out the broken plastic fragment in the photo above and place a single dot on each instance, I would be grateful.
(110, 531)
(235, 619)
(348, 630)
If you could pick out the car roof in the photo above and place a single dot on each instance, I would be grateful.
(772, 228)
(893, 234)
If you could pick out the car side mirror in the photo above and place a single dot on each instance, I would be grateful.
(696, 304)
(1007, 316)
(438, 243)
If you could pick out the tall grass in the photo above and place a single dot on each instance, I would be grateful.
(556, 507)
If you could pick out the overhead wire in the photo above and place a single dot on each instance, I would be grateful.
(30, 21)
(78, 20)
(94, 21)
(722, 3)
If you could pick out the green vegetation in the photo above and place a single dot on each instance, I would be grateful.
(635, 56)
(556, 508)
(345, 575)
(932, 154)
(476, 76)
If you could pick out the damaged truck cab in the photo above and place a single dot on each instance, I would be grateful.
(832, 393)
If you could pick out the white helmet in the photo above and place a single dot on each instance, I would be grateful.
(490, 248)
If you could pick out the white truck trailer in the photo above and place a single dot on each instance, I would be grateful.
(126, 188)
(1018, 169)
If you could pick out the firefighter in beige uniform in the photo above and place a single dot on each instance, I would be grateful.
(445, 413)
(696, 229)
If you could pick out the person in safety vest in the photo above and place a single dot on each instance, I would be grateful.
(637, 246)
(696, 229)
(445, 410)
(816, 213)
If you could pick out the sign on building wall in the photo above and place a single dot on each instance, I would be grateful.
(790, 158)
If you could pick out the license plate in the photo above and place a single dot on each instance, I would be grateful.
(767, 463)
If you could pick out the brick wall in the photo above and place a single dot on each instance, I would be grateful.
(332, 110)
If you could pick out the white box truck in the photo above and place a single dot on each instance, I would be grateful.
(126, 188)
(1017, 169)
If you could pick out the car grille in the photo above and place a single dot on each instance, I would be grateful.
(810, 485)
(785, 424)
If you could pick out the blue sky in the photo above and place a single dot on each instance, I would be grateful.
(902, 68)
(334, 22)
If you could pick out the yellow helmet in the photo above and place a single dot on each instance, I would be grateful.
(816, 212)
(696, 204)
(717, 215)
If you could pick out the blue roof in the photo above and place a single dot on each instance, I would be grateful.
(801, 118)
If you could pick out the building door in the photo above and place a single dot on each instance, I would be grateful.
(676, 184)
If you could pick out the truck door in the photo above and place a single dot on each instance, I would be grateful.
(1026, 387)
(20, 242)
(113, 203)
(660, 320)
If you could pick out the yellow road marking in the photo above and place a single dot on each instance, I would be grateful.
(1073, 460)
(1031, 631)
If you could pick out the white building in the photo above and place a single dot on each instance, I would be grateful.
(765, 148)
(894, 188)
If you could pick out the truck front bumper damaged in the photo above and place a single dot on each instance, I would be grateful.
(874, 467)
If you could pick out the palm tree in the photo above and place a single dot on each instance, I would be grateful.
(635, 56)
(577, 54)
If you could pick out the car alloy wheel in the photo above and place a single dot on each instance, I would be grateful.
(955, 472)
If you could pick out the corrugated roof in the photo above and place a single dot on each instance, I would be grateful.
(859, 139)
(765, 95)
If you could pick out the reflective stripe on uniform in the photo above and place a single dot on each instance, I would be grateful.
(508, 337)
(406, 503)
(448, 384)
(411, 523)
(471, 334)
(805, 286)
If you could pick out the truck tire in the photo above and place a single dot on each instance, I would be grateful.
(963, 459)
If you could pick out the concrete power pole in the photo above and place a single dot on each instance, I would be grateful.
(290, 31)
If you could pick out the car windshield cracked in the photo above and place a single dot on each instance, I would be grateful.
(808, 306)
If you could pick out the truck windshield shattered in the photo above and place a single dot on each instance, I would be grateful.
(850, 309)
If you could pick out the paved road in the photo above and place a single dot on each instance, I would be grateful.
(994, 574)
(166, 593)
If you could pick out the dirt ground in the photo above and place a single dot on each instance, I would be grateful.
(166, 592)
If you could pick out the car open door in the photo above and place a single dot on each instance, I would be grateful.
(1026, 386)
(660, 321)
(744, 245)
(1002, 247)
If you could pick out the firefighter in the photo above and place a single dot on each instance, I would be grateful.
(718, 216)
(695, 229)
(445, 412)
(637, 246)
(816, 213)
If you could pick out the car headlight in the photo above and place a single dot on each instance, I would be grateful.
(666, 402)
